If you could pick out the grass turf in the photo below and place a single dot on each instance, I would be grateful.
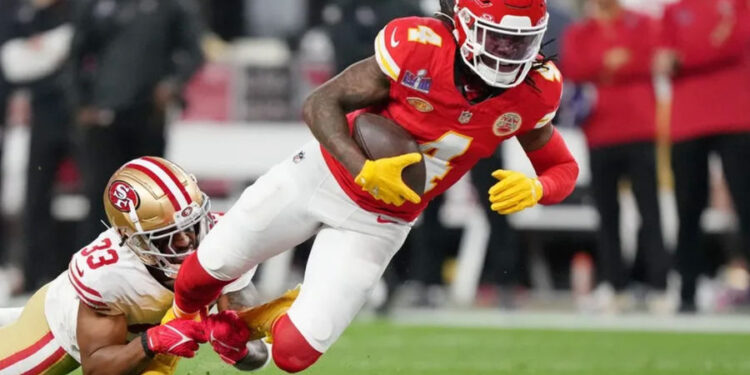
(384, 348)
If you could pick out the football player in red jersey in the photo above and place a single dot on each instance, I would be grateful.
(461, 84)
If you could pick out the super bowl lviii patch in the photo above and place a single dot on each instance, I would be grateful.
(420, 81)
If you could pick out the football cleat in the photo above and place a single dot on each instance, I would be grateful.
(260, 319)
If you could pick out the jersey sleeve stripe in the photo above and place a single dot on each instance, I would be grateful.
(84, 287)
(91, 303)
(384, 59)
(172, 178)
(85, 294)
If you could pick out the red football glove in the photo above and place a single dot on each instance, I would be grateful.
(228, 335)
(177, 337)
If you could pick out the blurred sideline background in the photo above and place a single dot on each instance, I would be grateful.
(241, 115)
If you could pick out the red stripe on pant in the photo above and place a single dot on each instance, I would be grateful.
(25, 353)
(47, 363)
(195, 288)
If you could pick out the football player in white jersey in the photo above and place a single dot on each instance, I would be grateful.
(103, 312)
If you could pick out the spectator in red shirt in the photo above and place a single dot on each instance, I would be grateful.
(705, 50)
(612, 49)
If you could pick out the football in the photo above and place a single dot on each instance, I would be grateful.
(379, 137)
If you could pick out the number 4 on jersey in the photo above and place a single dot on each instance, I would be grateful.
(439, 153)
(550, 72)
(425, 35)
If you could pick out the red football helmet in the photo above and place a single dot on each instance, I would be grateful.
(500, 39)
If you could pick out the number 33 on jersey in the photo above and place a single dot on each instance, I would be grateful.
(418, 56)
(106, 275)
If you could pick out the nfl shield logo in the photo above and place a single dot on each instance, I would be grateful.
(465, 117)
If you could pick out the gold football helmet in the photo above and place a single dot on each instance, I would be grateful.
(151, 201)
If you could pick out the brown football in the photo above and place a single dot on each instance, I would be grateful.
(379, 137)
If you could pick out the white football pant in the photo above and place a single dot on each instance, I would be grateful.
(293, 201)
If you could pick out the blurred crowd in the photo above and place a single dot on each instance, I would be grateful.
(658, 88)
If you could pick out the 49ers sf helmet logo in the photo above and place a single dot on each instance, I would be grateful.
(121, 194)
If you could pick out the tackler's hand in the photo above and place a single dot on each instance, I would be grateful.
(514, 192)
(382, 179)
(228, 335)
(177, 337)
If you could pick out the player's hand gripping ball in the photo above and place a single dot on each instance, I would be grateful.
(382, 179)
(228, 335)
(514, 192)
(395, 170)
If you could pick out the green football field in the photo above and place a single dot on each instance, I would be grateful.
(384, 348)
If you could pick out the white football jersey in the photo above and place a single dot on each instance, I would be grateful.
(108, 277)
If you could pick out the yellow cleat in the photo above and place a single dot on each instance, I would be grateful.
(260, 319)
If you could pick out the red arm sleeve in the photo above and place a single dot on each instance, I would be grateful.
(556, 169)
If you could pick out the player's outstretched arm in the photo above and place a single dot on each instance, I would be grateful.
(556, 170)
(361, 85)
(104, 348)
(555, 166)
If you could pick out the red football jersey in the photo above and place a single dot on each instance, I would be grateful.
(711, 91)
(418, 55)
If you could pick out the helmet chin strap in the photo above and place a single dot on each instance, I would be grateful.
(134, 216)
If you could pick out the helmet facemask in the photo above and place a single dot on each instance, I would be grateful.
(156, 248)
(500, 54)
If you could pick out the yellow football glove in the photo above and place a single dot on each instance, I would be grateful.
(382, 179)
(514, 192)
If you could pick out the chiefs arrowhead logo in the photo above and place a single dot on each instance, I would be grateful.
(507, 124)
(120, 194)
